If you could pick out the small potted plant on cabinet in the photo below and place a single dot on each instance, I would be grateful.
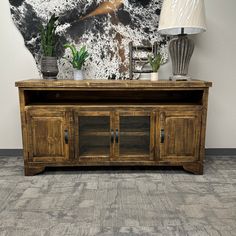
(48, 35)
(78, 59)
(155, 62)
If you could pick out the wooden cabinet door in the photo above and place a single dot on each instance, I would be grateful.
(179, 134)
(94, 135)
(48, 135)
(134, 135)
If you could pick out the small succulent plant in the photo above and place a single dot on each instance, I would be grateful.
(78, 57)
(155, 61)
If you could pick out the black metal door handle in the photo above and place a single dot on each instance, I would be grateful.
(112, 136)
(162, 135)
(117, 136)
(66, 136)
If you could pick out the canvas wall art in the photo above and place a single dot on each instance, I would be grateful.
(105, 27)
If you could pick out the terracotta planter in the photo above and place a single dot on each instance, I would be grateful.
(78, 74)
(49, 67)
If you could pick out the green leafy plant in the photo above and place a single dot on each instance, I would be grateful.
(78, 57)
(155, 62)
(49, 37)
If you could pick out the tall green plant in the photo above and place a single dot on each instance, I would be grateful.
(78, 57)
(49, 37)
(155, 62)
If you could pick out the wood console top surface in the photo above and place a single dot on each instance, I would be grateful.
(111, 84)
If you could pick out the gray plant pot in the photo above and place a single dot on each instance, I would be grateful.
(49, 67)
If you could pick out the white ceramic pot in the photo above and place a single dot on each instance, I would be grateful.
(144, 76)
(154, 76)
(78, 75)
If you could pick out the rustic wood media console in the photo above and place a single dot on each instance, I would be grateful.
(107, 122)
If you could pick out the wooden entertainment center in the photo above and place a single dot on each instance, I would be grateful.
(113, 122)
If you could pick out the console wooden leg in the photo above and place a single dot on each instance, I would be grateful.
(195, 168)
(33, 170)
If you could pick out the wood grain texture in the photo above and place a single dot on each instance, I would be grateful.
(46, 129)
(196, 168)
(182, 134)
(23, 124)
(111, 84)
(33, 170)
(96, 123)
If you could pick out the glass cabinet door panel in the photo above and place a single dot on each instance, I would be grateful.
(134, 135)
(94, 135)
(94, 123)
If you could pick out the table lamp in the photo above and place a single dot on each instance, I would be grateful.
(180, 18)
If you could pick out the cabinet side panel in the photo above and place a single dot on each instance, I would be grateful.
(203, 125)
(22, 100)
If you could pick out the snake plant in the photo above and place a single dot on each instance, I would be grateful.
(78, 57)
(49, 37)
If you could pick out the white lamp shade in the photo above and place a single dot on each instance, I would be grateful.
(186, 14)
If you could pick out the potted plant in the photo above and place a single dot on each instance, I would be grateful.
(48, 37)
(155, 62)
(78, 59)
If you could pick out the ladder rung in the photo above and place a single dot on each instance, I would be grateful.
(145, 48)
(140, 59)
(142, 71)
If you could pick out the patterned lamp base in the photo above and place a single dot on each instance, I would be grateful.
(181, 50)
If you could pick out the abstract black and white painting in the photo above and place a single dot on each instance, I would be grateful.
(105, 26)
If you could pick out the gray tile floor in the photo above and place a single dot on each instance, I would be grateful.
(134, 202)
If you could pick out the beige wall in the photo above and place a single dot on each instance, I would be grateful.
(214, 59)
